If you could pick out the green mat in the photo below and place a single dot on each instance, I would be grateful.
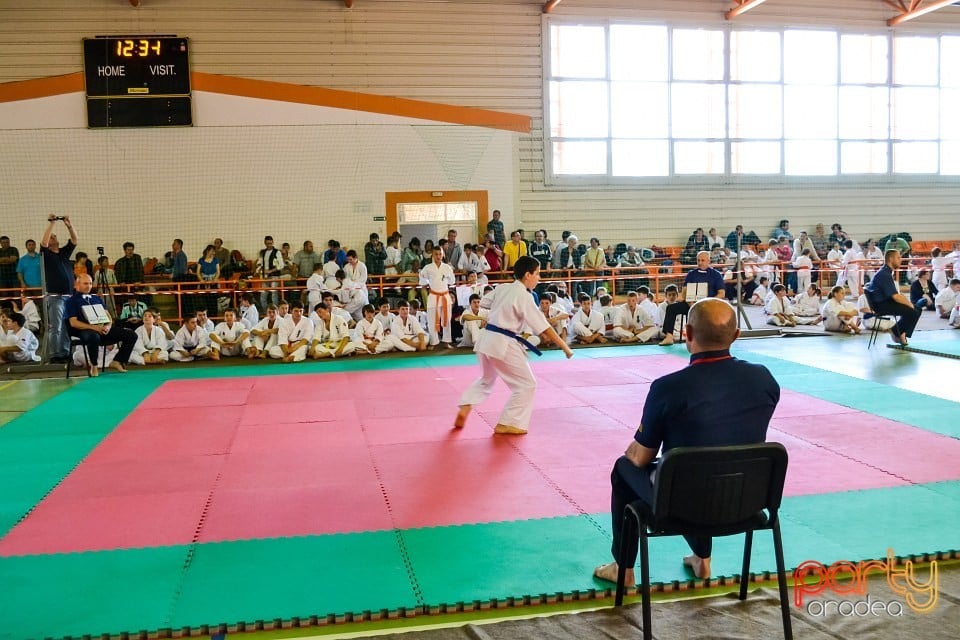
(945, 344)
(377, 574)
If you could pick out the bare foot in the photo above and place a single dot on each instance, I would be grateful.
(288, 358)
(699, 566)
(117, 366)
(609, 571)
(94, 371)
(461, 419)
(214, 354)
(509, 430)
(667, 340)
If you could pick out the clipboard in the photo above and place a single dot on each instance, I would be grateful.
(95, 314)
(696, 291)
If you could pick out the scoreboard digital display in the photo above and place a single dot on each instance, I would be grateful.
(137, 81)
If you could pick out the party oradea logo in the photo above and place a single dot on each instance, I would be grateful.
(815, 581)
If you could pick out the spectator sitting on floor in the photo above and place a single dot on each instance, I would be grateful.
(840, 315)
(151, 347)
(923, 292)
(19, 345)
(947, 299)
(778, 308)
(587, 325)
(806, 306)
(759, 297)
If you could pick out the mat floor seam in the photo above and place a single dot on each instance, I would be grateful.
(853, 459)
(576, 505)
(195, 540)
(397, 531)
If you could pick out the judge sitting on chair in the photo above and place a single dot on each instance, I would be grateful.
(88, 320)
(702, 282)
(692, 408)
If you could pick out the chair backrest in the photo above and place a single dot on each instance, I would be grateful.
(718, 487)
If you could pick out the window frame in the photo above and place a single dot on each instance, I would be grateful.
(727, 177)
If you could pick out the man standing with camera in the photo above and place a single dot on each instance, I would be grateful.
(58, 281)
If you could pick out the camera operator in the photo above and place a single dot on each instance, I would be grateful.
(58, 281)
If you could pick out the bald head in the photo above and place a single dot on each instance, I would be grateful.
(711, 326)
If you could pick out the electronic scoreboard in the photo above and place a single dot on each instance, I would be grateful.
(137, 81)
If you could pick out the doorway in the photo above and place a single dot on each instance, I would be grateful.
(431, 214)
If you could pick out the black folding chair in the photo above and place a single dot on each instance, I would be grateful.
(875, 329)
(711, 491)
(76, 342)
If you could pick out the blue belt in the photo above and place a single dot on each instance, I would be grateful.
(511, 334)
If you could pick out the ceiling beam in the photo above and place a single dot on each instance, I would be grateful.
(916, 9)
(550, 4)
(742, 7)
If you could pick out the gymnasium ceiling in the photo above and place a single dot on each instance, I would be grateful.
(904, 10)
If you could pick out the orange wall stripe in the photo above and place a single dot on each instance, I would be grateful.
(323, 97)
(41, 87)
(301, 94)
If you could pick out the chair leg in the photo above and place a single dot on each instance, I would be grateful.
(745, 570)
(626, 529)
(782, 581)
(873, 333)
(645, 582)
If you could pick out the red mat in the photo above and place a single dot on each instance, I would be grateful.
(459, 482)
(325, 453)
(114, 522)
(259, 512)
(915, 455)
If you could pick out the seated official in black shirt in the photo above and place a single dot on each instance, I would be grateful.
(716, 401)
(80, 314)
(883, 294)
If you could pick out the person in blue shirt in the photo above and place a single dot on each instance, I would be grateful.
(335, 252)
(717, 400)
(883, 294)
(28, 267)
(703, 274)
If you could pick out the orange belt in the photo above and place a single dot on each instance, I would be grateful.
(443, 307)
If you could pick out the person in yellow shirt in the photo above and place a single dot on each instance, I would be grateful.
(513, 250)
(593, 264)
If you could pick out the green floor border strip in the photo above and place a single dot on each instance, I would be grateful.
(929, 351)
(312, 580)
(933, 414)
(88, 594)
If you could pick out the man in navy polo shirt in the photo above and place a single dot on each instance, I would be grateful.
(885, 298)
(94, 336)
(692, 408)
(703, 274)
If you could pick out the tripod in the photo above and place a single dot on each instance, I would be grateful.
(741, 315)
(105, 291)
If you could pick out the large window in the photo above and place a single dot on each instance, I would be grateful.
(639, 101)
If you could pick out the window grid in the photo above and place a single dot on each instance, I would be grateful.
(920, 153)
